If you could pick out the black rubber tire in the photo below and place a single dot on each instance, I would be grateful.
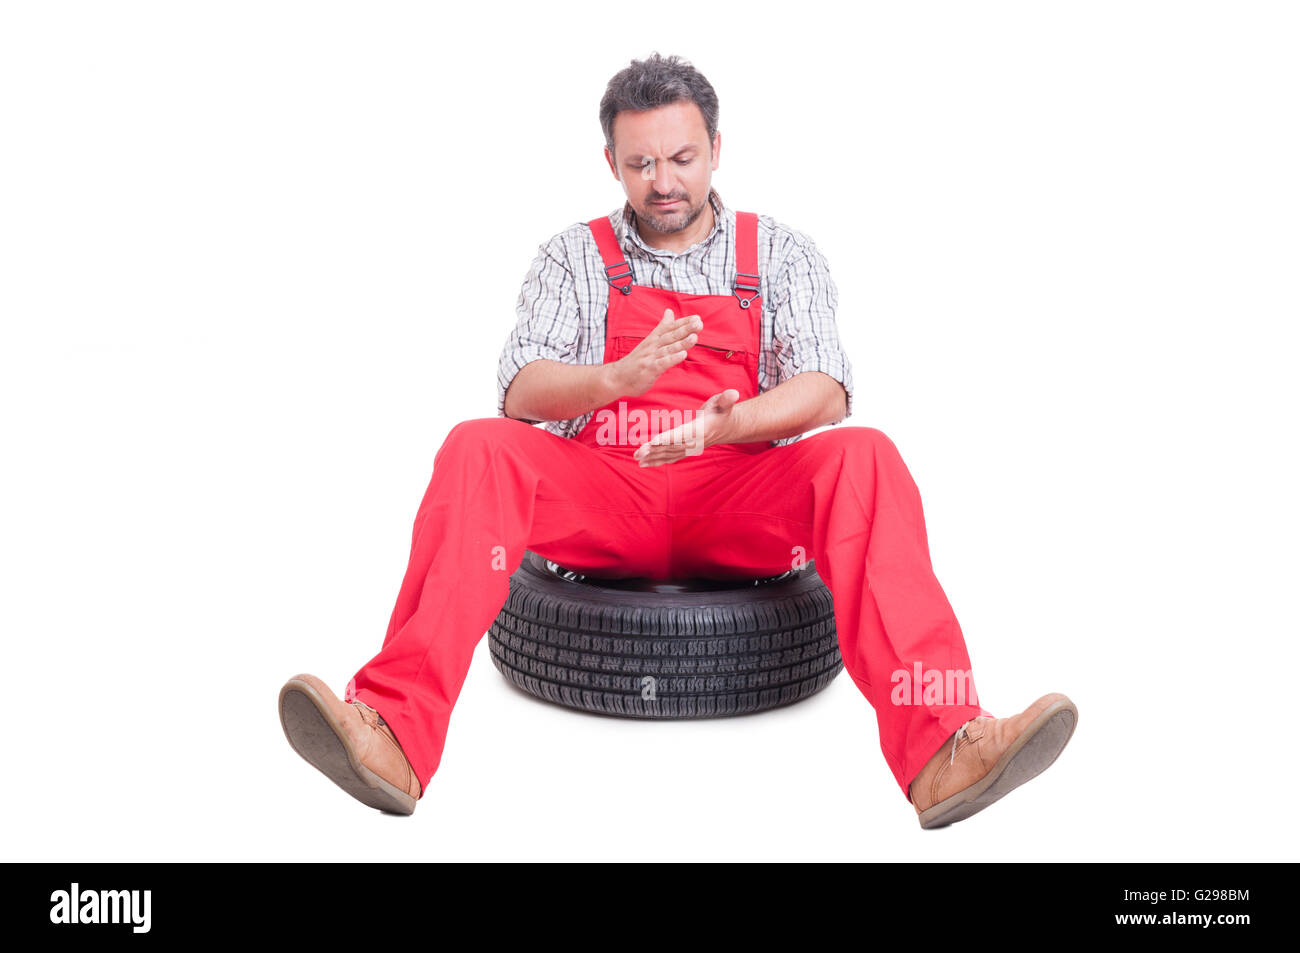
(710, 648)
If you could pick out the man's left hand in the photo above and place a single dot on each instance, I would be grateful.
(711, 424)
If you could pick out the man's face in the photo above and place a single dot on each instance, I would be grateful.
(662, 158)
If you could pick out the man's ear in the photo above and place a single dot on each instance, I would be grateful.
(717, 149)
(610, 159)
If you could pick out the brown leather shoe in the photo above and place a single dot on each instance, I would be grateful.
(349, 743)
(990, 757)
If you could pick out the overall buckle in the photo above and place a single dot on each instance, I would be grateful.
(738, 286)
(615, 279)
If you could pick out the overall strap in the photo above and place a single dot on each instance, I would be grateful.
(616, 267)
(746, 285)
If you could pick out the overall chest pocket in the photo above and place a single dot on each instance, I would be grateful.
(728, 362)
(727, 353)
(724, 366)
(699, 351)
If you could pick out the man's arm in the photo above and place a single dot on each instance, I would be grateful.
(551, 390)
(802, 403)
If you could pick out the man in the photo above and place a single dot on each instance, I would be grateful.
(714, 332)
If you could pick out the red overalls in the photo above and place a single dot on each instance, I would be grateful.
(842, 497)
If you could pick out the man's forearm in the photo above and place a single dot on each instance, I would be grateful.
(804, 402)
(551, 390)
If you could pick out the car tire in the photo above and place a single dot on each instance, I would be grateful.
(638, 648)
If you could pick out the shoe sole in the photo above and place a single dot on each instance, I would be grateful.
(324, 744)
(1029, 756)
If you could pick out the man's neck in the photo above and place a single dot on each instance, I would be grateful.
(680, 241)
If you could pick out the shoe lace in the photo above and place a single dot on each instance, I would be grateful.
(378, 717)
(959, 733)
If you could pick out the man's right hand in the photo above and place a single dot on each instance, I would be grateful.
(664, 347)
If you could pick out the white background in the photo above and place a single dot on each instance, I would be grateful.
(256, 259)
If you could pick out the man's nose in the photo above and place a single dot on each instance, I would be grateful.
(664, 183)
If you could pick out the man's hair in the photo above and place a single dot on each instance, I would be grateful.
(653, 82)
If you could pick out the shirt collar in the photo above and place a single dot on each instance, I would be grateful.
(630, 234)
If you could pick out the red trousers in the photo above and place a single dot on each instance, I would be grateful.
(842, 497)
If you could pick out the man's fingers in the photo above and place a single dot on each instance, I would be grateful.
(658, 454)
(688, 325)
(682, 434)
(675, 346)
(679, 339)
(670, 330)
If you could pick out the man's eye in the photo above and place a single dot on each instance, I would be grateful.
(683, 161)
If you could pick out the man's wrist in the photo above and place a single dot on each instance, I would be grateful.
(730, 426)
(611, 385)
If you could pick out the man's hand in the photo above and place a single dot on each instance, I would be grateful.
(711, 424)
(664, 347)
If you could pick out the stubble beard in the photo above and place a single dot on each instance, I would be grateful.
(673, 222)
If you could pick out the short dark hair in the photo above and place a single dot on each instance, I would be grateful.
(653, 82)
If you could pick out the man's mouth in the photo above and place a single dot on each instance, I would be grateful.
(665, 204)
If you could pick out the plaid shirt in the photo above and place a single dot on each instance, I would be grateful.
(564, 299)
